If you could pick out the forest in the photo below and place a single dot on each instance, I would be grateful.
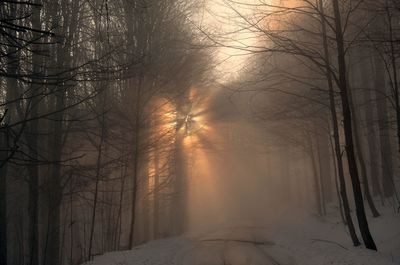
(226, 132)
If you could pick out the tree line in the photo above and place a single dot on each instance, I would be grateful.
(91, 95)
(324, 80)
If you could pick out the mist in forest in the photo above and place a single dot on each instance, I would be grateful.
(126, 122)
(236, 177)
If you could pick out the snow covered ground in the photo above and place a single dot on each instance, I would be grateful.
(304, 240)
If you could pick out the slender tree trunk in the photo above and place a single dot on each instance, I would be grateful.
(156, 190)
(381, 95)
(360, 153)
(96, 188)
(336, 134)
(348, 130)
(383, 124)
(395, 83)
(121, 200)
(101, 109)
(53, 247)
(138, 44)
(326, 173)
(3, 198)
(363, 73)
(145, 204)
(321, 174)
(7, 118)
(337, 186)
(180, 174)
(71, 224)
(336, 175)
(316, 177)
(136, 161)
(66, 27)
(55, 189)
(371, 133)
(32, 139)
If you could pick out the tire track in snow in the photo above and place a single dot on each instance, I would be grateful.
(229, 250)
(247, 253)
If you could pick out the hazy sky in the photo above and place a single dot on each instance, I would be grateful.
(221, 22)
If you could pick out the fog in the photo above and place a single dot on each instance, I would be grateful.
(128, 123)
(238, 174)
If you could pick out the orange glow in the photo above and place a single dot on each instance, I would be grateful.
(188, 131)
(283, 13)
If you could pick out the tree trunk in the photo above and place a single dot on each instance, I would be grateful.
(118, 224)
(360, 153)
(336, 134)
(371, 133)
(348, 130)
(136, 161)
(325, 162)
(97, 177)
(101, 112)
(156, 190)
(395, 83)
(180, 174)
(32, 139)
(52, 256)
(7, 118)
(322, 171)
(337, 184)
(316, 177)
(66, 27)
(3, 197)
(383, 124)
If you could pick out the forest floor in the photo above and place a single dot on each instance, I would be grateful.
(303, 240)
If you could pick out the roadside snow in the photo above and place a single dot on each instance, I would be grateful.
(161, 252)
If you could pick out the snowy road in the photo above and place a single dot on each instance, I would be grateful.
(233, 246)
(308, 241)
(233, 253)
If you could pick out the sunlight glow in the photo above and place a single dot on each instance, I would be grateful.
(222, 22)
